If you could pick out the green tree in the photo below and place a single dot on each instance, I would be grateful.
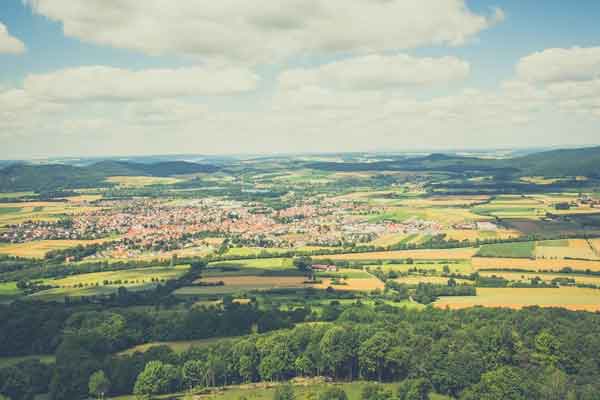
(547, 349)
(156, 378)
(99, 385)
(193, 373)
(504, 383)
(414, 389)
(373, 354)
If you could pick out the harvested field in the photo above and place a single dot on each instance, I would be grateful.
(473, 234)
(533, 265)
(141, 181)
(38, 249)
(576, 248)
(355, 285)
(426, 254)
(571, 298)
(436, 280)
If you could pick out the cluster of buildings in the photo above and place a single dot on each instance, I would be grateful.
(159, 225)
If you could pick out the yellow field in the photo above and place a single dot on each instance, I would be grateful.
(354, 285)
(436, 280)
(571, 298)
(534, 265)
(135, 277)
(38, 249)
(473, 234)
(388, 240)
(427, 254)
(577, 248)
(526, 277)
(595, 245)
(141, 181)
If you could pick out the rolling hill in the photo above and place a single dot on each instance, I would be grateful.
(52, 177)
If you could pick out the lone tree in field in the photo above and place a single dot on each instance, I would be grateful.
(99, 384)
(304, 264)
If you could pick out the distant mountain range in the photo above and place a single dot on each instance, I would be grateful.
(553, 163)
(51, 177)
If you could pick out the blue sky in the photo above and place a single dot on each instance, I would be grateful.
(97, 79)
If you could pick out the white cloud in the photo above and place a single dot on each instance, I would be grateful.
(559, 65)
(378, 72)
(107, 83)
(8, 43)
(260, 31)
(569, 77)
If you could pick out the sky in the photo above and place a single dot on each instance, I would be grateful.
(130, 77)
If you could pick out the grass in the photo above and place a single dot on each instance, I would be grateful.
(135, 277)
(9, 210)
(44, 358)
(571, 298)
(258, 263)
(242, 284)
(177, 346)
(304, 389)
(9, 291)
(93, 283)
(512, 250)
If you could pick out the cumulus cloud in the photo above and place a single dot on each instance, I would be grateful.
(107, 83)
(569, 77)
(559, 65)
(378, 72)
(268, 29)
(8, 43)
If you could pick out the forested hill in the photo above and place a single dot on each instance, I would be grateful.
(565, 162)
(554, 163)
(52, 177)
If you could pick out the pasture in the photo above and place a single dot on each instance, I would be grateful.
(16, 213)
(241, 284)
(43, 358)
(304, 389)
(546, 277)
(511, 250)
(127, 277)
(425, 254)
(177, 346)
(39, 249)
(571, 298)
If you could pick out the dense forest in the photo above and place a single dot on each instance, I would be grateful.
(473, 354)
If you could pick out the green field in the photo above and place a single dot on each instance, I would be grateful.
(509, 250)
(9, 291)
(177, 347)
(304, 389)
(44, 358)
(105, 283)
